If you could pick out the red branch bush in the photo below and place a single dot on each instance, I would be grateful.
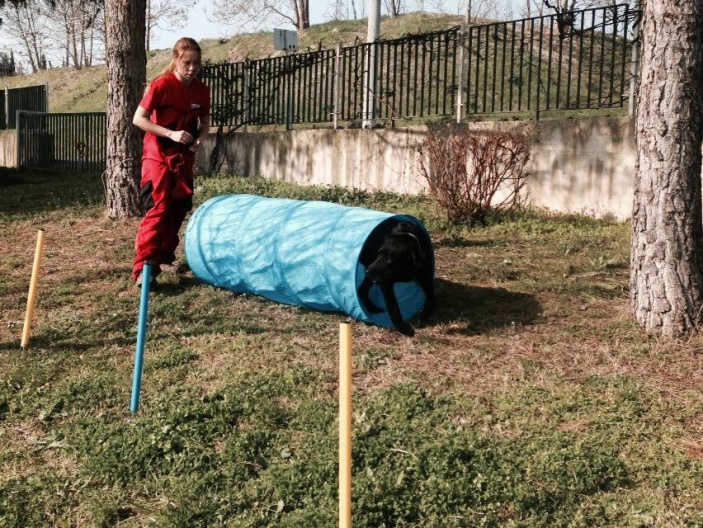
(473, 174)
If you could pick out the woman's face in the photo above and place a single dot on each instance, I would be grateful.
(187, 66)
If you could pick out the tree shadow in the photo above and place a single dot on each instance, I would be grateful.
(465, 310)
(10, 180)
(25, 193)
(170, 289)
(472, 310)
(457, 242)
(10, 177)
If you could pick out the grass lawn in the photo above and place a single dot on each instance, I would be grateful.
(531, 399)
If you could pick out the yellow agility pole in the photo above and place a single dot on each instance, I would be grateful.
(345, 424)
(32, 298)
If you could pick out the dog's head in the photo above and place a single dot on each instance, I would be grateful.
(400, 257)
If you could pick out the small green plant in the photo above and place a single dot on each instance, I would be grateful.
(472, 175)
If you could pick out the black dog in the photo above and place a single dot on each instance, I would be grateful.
(404, 255)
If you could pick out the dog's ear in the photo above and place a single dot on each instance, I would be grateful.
(405, 227)
(418, 259)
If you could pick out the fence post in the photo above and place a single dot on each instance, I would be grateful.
(18, 144)
(289, 92)
(247, 92)
(635, 68)
(369, 87)
(539, 69)
(460, 88)
(46, 97)
(369, 80)
(335, 86)
(6, 104)
(6, 119)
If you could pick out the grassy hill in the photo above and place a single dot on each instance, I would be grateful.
(85, 90)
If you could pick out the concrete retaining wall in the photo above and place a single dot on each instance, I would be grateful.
(577, 166)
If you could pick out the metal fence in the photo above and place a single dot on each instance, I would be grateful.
(75, 142)
(31, 98)
(574, 60)
(566, 61)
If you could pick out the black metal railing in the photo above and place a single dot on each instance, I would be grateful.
(75, 142)
(571, 60)
(575, 60)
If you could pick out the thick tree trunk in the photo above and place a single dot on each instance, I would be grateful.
(666, 280)
(126, 77)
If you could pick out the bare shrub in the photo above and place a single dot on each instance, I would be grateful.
(473, 174)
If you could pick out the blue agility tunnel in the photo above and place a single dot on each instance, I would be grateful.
(303, 253)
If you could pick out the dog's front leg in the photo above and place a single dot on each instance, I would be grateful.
(394, 310)
(364, 290)
(427, 284)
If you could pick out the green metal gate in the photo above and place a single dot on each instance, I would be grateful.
(29, 98)
(76, 142)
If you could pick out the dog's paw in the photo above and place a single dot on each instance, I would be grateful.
(426, 312)
(372, 308)
(407, 330)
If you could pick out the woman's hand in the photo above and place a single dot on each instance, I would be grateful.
(195, 146)
(180, 136)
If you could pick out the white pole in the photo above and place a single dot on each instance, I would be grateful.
(289, 99)
(635, 73)
(337, 74)
(460, 89)
(372, 35)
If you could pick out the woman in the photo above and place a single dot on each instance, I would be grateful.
(174, 113)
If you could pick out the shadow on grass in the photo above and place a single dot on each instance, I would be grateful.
(11, 178)
(474, 310)
(11, 346)
(466, 310)
(170, 289)
(26, 192)
(456, 242)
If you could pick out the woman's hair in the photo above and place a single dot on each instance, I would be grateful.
(182, 44)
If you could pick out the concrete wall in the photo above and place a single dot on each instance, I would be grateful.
(585, 166)
(577, 166)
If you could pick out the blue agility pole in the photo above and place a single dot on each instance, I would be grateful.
(141, 337)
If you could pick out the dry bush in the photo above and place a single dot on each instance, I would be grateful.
(473, 174)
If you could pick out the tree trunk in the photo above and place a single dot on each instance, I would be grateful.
(147, 26)
(126, 77)
(666, 279)
(304, 14)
